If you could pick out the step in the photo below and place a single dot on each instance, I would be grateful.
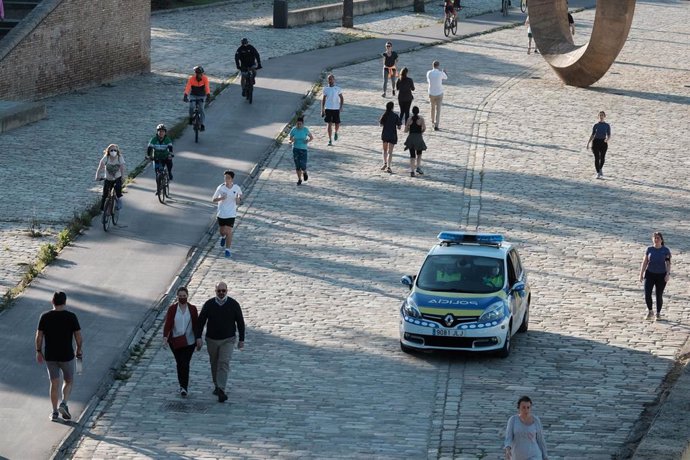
(16, 114)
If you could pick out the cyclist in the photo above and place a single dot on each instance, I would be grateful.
(112, 169)
(160, 149)
(247, 60)
(449, 9)
(196, 90)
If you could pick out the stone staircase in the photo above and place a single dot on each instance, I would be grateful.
(15, 11)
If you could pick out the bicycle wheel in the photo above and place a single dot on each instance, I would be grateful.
(105, 219)
(159, 188)
(523, 5)
(446, 27)
(166, 188)
(116, 214)
(250, 90)
(454, 27)
(196, 132)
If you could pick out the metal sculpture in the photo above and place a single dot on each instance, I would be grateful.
(585, 64)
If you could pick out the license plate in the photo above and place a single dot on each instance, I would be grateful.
(448, 332)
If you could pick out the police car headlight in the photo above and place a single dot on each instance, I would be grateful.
(495, 312)
(410, 308)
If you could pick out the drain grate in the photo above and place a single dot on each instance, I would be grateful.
(186, 407)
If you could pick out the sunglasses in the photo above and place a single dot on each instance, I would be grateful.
(221, 290)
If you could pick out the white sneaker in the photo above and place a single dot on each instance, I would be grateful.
(601, 174)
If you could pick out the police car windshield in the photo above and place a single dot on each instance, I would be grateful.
(462, 273)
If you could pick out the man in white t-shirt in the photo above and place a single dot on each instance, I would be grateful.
(435, 79)
(331, 106)
(228, 197)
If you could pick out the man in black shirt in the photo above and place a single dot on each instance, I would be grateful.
(57, 327)
(247, 60)
(222, 313)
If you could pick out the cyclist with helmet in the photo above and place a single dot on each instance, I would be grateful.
(247, 59)
(197, 89)
(160, 149)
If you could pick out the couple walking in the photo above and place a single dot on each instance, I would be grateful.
(183, 328)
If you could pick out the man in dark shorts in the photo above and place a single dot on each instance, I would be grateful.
(228, 196)
(331, 106)
(57, 327)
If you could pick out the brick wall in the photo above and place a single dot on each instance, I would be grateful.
(63, 45)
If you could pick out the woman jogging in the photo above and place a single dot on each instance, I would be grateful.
(415, 141)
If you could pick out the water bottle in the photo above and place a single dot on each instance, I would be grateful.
(80, 366)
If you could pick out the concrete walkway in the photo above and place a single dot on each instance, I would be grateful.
(331, 393)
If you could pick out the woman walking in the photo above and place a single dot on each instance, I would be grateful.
(178, 331)
(112, 169)
(405, 86)
(601, 133)
(300, 136)
(390, 62)
(415, 126)
(524, 434)
(655, 271)
(390, 121)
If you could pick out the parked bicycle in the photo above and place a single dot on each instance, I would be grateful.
(523, 5)
(111, 209)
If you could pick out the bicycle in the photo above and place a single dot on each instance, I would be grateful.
(523, 5)
(111, 209)
(450, 25)
(504, 7)
(248, 75)
(196, 118)
(162, 179)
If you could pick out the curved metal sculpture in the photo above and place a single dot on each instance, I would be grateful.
(585, 64)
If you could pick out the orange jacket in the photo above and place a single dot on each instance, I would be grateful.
(197, 88)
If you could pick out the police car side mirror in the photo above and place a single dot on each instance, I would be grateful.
(408, 280)
(519, 286)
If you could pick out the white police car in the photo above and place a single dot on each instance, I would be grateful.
(470, 294)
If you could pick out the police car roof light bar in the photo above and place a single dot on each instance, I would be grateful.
(492, 239)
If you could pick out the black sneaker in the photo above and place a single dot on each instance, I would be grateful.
(216, 390)
(64, 411)
(222, 397)
(420, 172)
(306, 176)
(54, 416)
(183, 392)
(299, 181)
(244, 93)
(203, 128)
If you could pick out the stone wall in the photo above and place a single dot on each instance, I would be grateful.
(63, 45)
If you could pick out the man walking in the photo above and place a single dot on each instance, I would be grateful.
(228, 196)
(435, 79)
(57, 327)
(331, 106)
(224, 317)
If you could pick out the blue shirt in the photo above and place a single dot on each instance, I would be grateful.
(657, 259)
(601, 130)
(300, 136)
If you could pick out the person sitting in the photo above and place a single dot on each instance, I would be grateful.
(494, 278)
(450, 10)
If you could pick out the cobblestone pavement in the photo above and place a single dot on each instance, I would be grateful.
(316, 269)
(66, 146)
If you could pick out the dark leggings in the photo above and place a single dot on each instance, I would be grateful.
(182, 357)
(415, 153)
(404, 109)
(599, 147)
(652, 280)
(107, 185)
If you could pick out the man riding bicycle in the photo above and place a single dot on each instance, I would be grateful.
(450, 10)
(197, 89)
(247, 60)
(160, 149)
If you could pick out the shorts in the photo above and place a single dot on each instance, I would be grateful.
(300, 157)
(529, 34)
(229, 222)
(332, 116)
(54, 368)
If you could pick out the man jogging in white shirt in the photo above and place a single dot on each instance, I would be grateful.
(228, 196)
(435, 79)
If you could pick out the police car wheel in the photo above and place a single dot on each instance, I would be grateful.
(406, 349)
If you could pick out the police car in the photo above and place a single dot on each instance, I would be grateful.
(470, 294)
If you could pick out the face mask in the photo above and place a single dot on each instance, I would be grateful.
(113, 153)
(182, 301)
